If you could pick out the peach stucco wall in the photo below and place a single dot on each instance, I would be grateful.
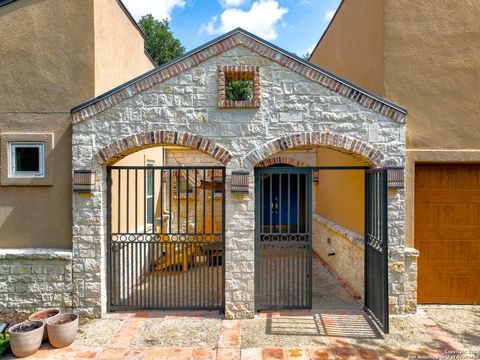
(119, 47)
(430, 65)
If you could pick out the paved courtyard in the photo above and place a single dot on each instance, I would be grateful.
(336, 329)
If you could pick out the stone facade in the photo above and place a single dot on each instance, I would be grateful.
(297, 109)
(32, 279)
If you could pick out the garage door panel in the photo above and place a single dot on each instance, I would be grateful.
(449, 251)
(447, 197)
(447, 233)
(450, 214)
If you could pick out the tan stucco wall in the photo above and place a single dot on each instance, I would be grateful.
(431, 67)
(42, 75)
(54, 55)
(355, 35)
(340, 193)
(115, 34)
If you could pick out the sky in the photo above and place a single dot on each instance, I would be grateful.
(294, 25)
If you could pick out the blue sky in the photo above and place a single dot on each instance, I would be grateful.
(295, 25)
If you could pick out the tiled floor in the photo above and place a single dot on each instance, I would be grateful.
(337, 340)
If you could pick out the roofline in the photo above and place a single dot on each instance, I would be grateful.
(5, 2)
(256, 38)
(326, 29)
(130, 17)
(150, 72)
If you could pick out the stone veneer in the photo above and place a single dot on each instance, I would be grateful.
(32, 279)
(297, 109)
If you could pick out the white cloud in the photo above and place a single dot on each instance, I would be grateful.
(160, 9)
(329, 15)
(261, 19)
(232, 3)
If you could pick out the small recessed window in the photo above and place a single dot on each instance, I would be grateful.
(27, 159)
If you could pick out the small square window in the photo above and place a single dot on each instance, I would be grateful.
(239, 86)
(27, 159)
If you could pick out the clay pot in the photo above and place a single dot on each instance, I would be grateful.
(62, 329)
(43, 315)
(26, 338)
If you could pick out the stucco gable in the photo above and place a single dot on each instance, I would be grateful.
(237, 37)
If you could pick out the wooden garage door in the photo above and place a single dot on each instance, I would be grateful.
(447, 233)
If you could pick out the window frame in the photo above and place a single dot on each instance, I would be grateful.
(13, 172)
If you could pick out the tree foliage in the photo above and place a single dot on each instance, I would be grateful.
(160, 43)
(239, 90)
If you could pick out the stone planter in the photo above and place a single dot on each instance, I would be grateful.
(62, 329)
(43, 315)
(26, 338)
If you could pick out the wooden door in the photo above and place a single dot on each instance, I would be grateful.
(447, 233)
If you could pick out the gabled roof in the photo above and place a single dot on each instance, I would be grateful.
(222, 44)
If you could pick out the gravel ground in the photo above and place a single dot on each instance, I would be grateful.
(97, 332)
(283, 331)
(462, 322)
(406, 337)
(179, 333)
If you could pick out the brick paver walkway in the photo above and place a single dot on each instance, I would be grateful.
(229, 343)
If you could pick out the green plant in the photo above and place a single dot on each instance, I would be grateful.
(239, 90)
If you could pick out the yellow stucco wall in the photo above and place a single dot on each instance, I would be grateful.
(340, 193)
(115, 34)
(139, 158)
(355, 35)
(431, 67)
(48, 65)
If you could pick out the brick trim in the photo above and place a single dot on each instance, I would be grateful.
(219, 46)
(130, 144)
(335, 141)
(239, 72)
(280, 160)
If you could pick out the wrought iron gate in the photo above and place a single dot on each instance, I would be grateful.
(283, 235)
(166, 231)
(376, 246)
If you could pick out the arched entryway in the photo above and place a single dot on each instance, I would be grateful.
(288, 222)
(165, 238)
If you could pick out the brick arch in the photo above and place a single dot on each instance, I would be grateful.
(280, 160)
(343, 143)
(133, 143)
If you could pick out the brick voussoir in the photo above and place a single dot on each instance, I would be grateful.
(122, 147)
(260, 156)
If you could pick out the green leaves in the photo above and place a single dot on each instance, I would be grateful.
(239, 90)
(160, 43)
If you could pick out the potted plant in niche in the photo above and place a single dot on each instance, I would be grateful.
(26, 337)
(43, 315)
(62, 329)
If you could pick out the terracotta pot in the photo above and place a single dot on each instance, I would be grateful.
(26, 338)
(62, 329)
(43, 315)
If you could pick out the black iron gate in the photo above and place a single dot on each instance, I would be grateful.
(283, 249)
(166, 230)
(376, 246)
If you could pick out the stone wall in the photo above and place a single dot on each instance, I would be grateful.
(32, 279)
(183, 110)
(342, 250)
